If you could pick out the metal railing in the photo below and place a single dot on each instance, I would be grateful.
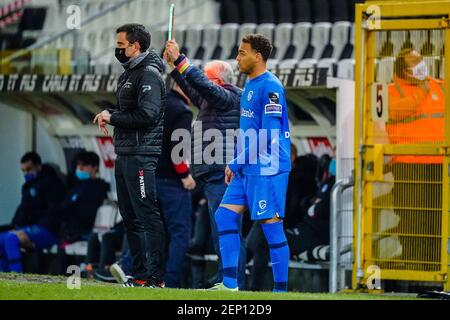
(339, 187)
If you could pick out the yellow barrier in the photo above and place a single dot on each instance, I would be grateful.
(402, 141)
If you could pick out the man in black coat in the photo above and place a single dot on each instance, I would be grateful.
(42, 191)
(219, 112)
(138, 121)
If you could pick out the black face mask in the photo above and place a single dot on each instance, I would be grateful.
(120, 55)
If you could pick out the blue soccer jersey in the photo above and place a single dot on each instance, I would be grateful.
(264, 141)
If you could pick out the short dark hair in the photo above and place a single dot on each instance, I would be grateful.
(31, 156)
(259, 43)
(88, 158)
(136, 32)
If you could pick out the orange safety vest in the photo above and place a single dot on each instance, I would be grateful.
(416, 116)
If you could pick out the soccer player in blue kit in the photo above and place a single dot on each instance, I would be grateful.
(257, 177)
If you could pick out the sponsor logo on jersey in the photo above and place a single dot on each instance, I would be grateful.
(273, 109)
(247, 113)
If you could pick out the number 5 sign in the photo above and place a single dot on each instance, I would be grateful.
(379, 103)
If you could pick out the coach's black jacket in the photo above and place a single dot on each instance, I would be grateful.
(219, 109)
(138, 117)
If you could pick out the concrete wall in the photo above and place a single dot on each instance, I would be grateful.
(15, 140)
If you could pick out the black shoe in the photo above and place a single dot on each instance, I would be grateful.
(144, 283)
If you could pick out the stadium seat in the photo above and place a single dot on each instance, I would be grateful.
(328, 63)
(352, 10)
(228, 40)
(193, 41)
(301, 39)
(249, 11)
(339, 37)
(159, 37)
(272, 65)
(398, 39)
(340, 10)
(267, 29)
(418, 39)
(307, 63)
(266, 11)
(211, 41)
(346, 69)
(302, 11)
(321, 11)
(179, 35)
(437, 39)
(229, 11)
(432, 63)
(384, 69)
(246, 28)
(107, 216)
(283, 39)
(284, 10)
(288, 64)
(320, 38)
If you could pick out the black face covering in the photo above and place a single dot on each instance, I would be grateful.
(120, 55)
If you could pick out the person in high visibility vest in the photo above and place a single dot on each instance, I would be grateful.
(416, 106)
(416, 116)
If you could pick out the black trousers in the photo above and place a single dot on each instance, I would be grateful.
(136, 192)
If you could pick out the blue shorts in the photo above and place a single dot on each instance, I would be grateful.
(264, 196)
(41, 237)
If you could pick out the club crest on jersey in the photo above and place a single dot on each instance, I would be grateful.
(249, 96)
(141, 183)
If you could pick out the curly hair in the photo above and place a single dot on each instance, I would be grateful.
(259, 43)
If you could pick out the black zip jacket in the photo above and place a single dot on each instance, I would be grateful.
(138, 117)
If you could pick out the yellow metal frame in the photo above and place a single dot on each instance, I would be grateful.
(395, 15)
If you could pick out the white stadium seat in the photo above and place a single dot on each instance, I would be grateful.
(288, 64)
(193, 39)
(307, 63)
(320, 37)
(301, 38)
(339, 37)
(283, 38)
(328, 63)
(228, 39)
(210, 40)
(244, 29)
(346, 69)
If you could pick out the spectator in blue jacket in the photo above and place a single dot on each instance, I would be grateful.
(219, 109)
